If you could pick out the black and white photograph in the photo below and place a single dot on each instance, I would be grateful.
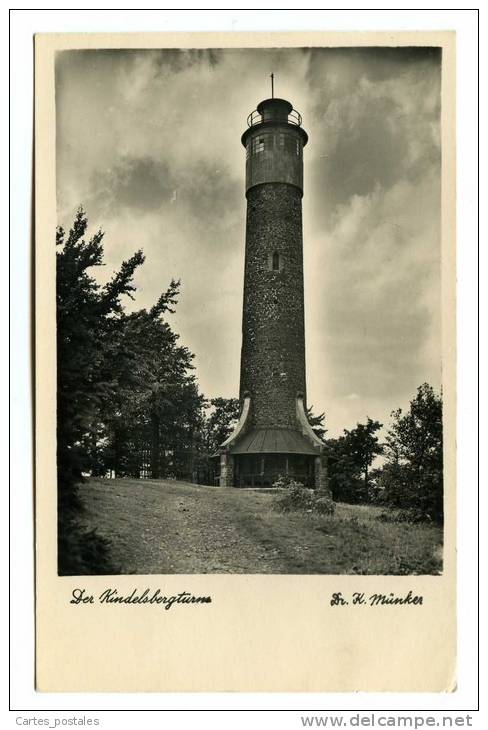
(245, 362)
(248, 311)
(244, 339)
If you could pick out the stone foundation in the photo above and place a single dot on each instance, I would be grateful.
(321, 475)
(226, 470)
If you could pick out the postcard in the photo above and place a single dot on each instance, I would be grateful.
(245, 362)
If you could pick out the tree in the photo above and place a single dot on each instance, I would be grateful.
(125, 387)
(157, 408)
(220, 422)
(86, 315)
(317, 423)
(364, 446)
(413, 475)
(352, 455)
(344, 479)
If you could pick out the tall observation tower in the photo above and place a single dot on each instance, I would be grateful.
(273, 436)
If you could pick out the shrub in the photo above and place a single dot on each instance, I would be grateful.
(82, 551)
(416, 494)
(294, 496)
(285, 482)
(323, 505)
(414, 515)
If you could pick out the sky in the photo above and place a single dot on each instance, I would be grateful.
(148, 141)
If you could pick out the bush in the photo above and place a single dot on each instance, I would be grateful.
(323, 505)
(80, 551)
(418, 494)
(413, 515)
(285, 482)
(294, 496)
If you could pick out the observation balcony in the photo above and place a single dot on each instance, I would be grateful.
(274, 112)
(257, 117)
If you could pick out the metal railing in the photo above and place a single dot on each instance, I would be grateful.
(255, 117)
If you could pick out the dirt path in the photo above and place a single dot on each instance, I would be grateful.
(161, 527)
(173, 527)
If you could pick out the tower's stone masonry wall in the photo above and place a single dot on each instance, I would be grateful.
(273, 347)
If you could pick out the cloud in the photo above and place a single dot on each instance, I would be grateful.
(371, 131)
(136, 184)
(373, 229)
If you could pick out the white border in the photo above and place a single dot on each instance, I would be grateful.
(24, 23)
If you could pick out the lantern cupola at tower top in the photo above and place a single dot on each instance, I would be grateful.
(274, 142)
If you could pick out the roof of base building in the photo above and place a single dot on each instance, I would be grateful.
(273, 441)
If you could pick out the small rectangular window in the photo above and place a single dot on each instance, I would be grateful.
(257, 145)
(290, 144)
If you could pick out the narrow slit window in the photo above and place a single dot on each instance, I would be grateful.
(276, 261)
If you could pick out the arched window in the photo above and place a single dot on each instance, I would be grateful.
(276, 261)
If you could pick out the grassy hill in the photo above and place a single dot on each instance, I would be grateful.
(165, 527)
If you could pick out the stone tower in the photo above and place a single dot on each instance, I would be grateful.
(273, 436)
